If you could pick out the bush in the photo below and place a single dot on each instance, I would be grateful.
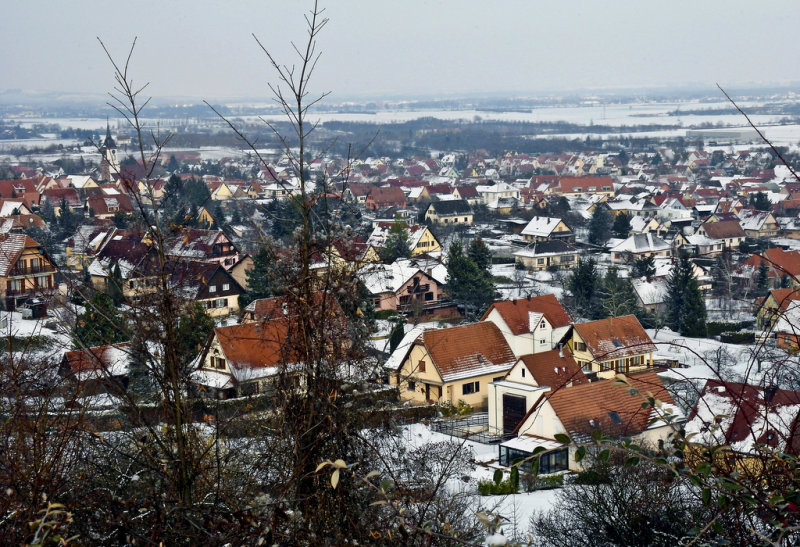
(385, 314)
(715, 328)
(490, 488)
(738, 337)
(448, 409)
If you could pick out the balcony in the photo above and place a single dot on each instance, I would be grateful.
(416, 289)
(19, 271)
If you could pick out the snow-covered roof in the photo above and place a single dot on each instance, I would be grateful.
(642, 243)
(540, 226)
(651, 292)
(381, 278)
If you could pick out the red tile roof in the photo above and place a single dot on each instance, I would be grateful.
(609, 406)
(515, 312)
(468, 350)
(554, 368)
(615, 337)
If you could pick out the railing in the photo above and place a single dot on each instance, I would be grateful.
(419, 288)
(474, 428)
(30, 270)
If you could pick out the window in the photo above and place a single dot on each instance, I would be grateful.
(212, 288)
(221, 303)
(412, 386)
(523, 373)
(542, 340)
(540, 260)
(470, 388)
(605, 365)
(580, 346)
(218, 363)
(498, 379)
(421, 366)
(226, 286)
(541, 325)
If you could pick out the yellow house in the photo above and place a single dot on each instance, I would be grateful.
(420, 239)
(221, 191)
(455, 211)
(544, 228)
(450, 365)
(615, 345)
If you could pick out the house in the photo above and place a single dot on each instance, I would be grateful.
(420, 239)
(771, 307)
(25, 270)
(530, 325)
(450, 365)
(245, 359)
(404, 286)
(202, 245)
(544, 228)
(104, 206)
(456, 211)
(380, 198)
(208, 284)
(729, 231)
(651, 294)
(531, 377)
(617, 411)
(265, 353)
(125, 260)
(699, 245)
(548, 254)
(68, 196)
(640, 246)
(758, 224)
(490, 193)
(616, 345)
(779, 264)
(13, 206)
(240, 270)
(21, 223)
(744, 418)
(787, 327)
(99, 369)
(575, 186)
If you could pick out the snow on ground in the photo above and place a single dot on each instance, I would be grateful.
(515, 510)
(705, 358)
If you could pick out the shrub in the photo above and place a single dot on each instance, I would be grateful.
(490, 488)
(738, 337)
(715, 328)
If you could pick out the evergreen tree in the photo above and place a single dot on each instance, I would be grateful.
(617, 297)
(480, 254)
(686, 311)
(397, 243)
(48, 212)
(100, 324)
(468, 285)
(140, 380)
(762, 279)
(260, 282)
(622, 225)
(600, 225)
(115, 286)
(582, 284)
(174, 196)
(195, 327)
(760, 201)
(644, 266)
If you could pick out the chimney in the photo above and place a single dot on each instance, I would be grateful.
(561, 350)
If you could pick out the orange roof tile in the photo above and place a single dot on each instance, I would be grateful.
(468, 350)
(515, 312)
(615, 337)
(590, 406)
(549, 368)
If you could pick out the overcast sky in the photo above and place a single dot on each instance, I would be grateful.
(391, 48)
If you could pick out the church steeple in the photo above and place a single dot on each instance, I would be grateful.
(108, 163)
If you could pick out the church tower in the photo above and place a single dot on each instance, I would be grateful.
(108, 163)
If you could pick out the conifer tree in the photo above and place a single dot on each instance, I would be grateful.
(467, 284)
(686, 311)
(583, 283)
(600, 225)
(397, 243)
(480, 254)
(622, 225)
